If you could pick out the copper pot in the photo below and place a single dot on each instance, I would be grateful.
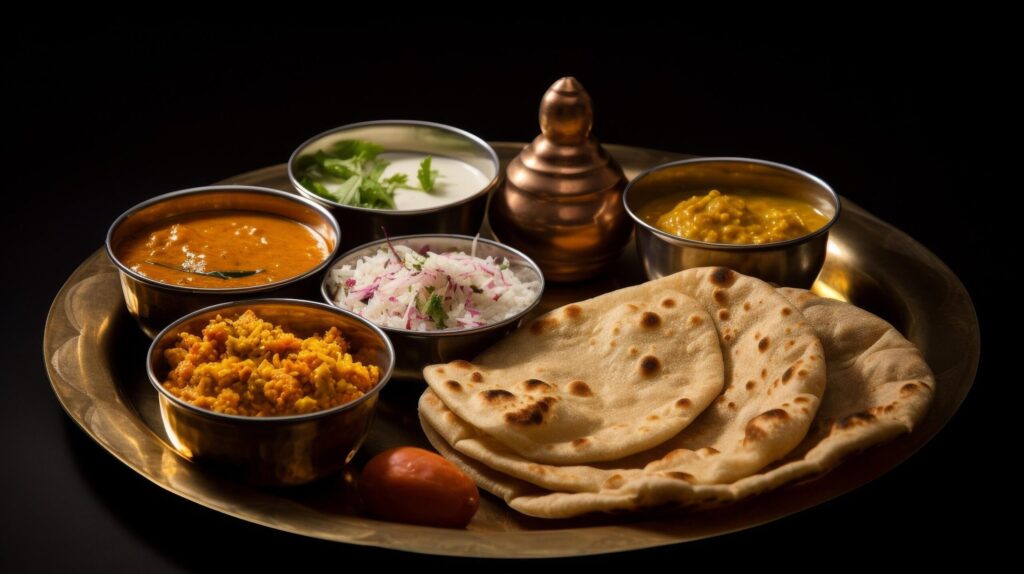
(561, 202)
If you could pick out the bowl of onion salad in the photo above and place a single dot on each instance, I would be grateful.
(438, 297)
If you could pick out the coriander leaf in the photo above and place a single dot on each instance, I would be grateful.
(317, 188)
(373, 194)
(398, 179)
(340, 168)
(377, 169)
(435, 310)
(353, 166)
(361, 149)
(394, 182)
(347, 193)
(426, 175)
(305, 162)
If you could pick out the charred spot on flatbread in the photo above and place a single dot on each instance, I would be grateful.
(580, 389)
(722, 277)
(532, 414)
(531, 385)
(495, 396)
(650, 320)
(759, 427)
(649, 366)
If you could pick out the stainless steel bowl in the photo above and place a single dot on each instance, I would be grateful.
(417, 349)
(283, 450)
(794, 263)
(362, 224)
(155, 304)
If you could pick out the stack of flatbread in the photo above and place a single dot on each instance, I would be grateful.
(697, 389)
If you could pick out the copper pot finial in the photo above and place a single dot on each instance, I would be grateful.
(562, 198)
(566, 115)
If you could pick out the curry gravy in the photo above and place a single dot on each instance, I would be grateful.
(185, 249)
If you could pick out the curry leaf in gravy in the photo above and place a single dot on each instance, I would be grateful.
(231, 274)
(226, 275)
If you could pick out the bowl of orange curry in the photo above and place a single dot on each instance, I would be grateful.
(758, 217)
(189, 249)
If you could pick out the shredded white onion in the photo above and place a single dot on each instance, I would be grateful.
(401, 288)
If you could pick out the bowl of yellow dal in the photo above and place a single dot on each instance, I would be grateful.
(758, 217)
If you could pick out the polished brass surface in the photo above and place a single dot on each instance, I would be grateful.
(155, 304)
(362, 225)
(416, 349)
(561, 202)
(282, 450)
(95, 356)
(793, 263)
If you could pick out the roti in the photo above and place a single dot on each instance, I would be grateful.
(591, 381)
(879, 387)
(775, 376)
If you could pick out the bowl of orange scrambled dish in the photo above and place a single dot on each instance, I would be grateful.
(275, 391)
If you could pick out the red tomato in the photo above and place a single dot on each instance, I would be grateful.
(408, 484)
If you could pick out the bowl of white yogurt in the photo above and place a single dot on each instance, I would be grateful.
(397, 177)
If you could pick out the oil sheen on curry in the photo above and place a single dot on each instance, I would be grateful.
(223, 249)
(740, 217)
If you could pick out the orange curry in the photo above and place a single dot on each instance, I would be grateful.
(223, 249)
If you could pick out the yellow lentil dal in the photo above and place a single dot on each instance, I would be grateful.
(740, 218)
(250, 367)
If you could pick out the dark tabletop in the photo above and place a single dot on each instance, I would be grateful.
(106, 118)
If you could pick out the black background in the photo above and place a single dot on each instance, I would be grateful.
(99, 120)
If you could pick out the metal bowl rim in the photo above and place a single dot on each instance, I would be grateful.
(452, 332)
(677, 240)
(320, 210)
(381, 383)
(399, 122)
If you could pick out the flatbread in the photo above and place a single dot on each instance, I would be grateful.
(775, 375)
(591, 381)
(879, 387)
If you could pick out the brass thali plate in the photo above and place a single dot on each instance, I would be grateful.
(95, 356)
